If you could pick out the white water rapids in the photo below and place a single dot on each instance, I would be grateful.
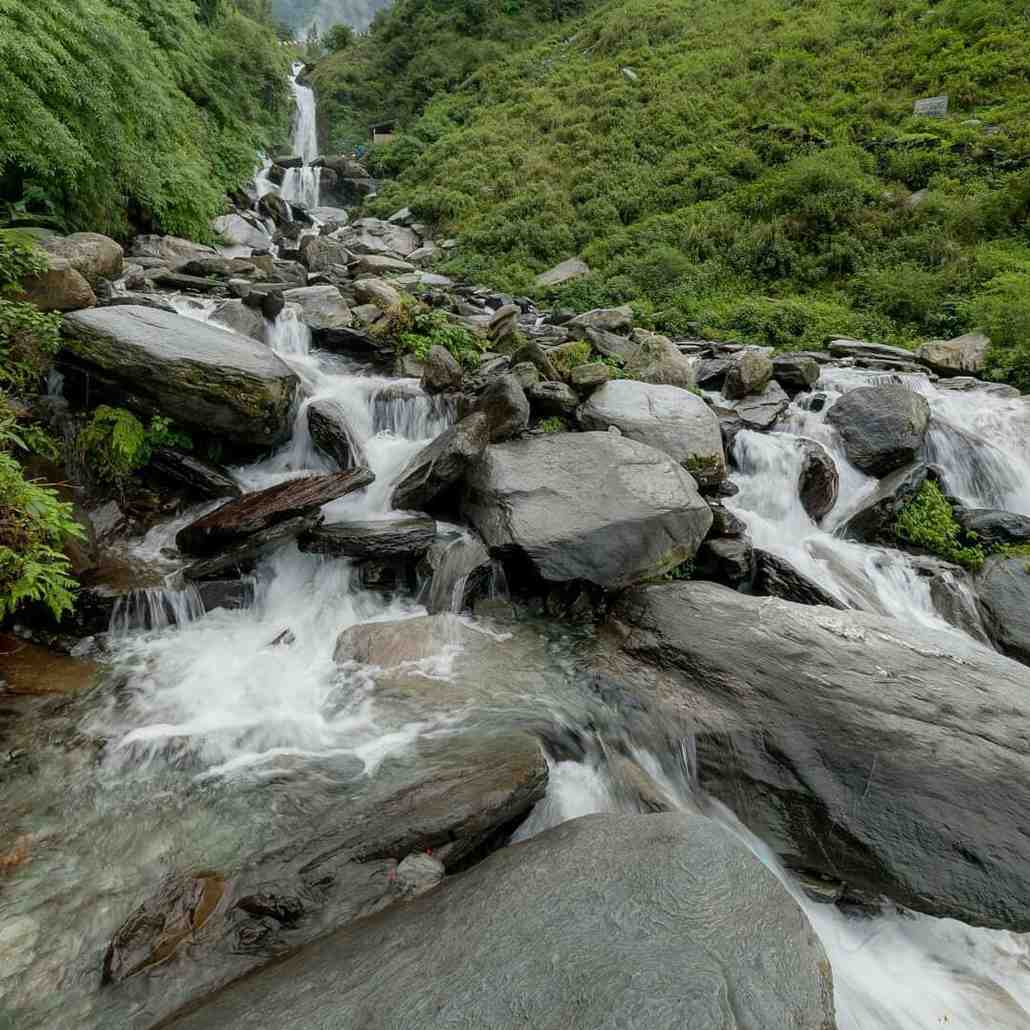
(976, 437)
(216, 699)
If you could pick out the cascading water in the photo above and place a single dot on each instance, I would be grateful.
(303, 185)
(895, 971)
(975, 437)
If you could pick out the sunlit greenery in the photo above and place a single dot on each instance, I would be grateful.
(122, 113)
(757, 173)
(928, 524)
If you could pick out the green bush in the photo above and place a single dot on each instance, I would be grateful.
(765, 196)
(34, 525)
(28, 337)
(554, 424)
(114, 443)
(928, 523)
(412, 328)
(123, 112)
(1003, 310)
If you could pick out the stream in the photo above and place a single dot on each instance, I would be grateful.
(203, 739)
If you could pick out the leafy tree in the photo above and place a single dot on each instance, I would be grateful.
(338, 38)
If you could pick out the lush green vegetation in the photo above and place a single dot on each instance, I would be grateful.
(757, 173)
(114, 443)
(416, 49)
(554, 424)
(34, 523)
(413, 328)
(123, 113)
(928, 524)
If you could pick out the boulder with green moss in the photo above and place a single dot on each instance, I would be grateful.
(206, 379)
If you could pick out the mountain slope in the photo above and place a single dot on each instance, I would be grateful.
(747, 168)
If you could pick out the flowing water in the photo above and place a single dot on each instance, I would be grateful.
(218, 730)
(976, 437)
(303, 185)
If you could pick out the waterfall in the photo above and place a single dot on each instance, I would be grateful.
(302, 186)
(155, 608)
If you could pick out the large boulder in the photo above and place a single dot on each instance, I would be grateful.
(321, 253)
(380, 538)
(658, 360)
(93, 256)
(242, 232)
(749, 373)
(323, 310)
(759, 411)
(441, 371)
(882, 427)
(586, 506)
(331, 432)
(504, 403)
(241, 318)
(818, 480)
(172, 249)
(205, 378)
(441, 464)
(609, 320)
(647, 922)
(201, 478)
(887, 756)
(1003, 590)
(374, 236)
(202, 929)
(963, 355)
(776, 577)
(994, 528)
(240, 518)
(672, 420)
(874, 520)
(61, 287)
(795, 372)
(564, 272)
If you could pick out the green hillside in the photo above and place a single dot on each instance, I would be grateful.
(135, 112)
(752, 173)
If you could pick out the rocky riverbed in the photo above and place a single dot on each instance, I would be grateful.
(329, 706)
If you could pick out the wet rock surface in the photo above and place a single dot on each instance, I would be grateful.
(450, 797)
(858, 747)
(655, 921)
(591, 506)
(1003, 590)
(204, 378)
(882, 427)
(332, 433)
(259, 510)
(409, 538)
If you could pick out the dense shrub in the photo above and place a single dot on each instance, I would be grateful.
(928, 523)
(114, 443)
(120, 112)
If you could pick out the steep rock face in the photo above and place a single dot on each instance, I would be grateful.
(882, 427)
(204, 378)
(1003, 589)
(652, 922)
(591, 506)
(891, 757)
(332, 433)
(665, 417)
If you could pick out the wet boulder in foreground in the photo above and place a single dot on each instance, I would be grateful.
(890, 757)
(586, 506)
(648, 922)
(245, 516)
(1003, 590)
(323, 868)
(204, 378)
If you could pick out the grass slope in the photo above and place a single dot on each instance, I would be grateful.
(753, 176)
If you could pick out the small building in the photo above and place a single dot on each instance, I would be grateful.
(382, 133)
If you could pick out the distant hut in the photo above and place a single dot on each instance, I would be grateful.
(382, 133)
